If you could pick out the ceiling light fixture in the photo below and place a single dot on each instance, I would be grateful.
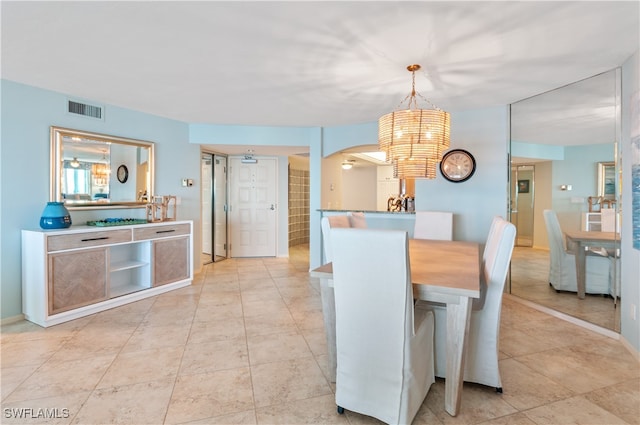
(74, 163)
(101, 170)
(348, 164)
(414, 139)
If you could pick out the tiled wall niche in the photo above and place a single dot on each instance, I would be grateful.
(298, 206)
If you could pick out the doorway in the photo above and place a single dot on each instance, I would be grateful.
(253, 207)
(214, 207)
(522, 203)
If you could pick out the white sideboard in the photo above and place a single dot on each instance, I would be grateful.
(605, 221)
(71, 273)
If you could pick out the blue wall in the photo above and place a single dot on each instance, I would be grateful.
(27, 114)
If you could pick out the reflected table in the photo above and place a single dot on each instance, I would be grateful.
(581, 240)
(441, 271)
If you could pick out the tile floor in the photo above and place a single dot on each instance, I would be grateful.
(245, 345)
(530, 280)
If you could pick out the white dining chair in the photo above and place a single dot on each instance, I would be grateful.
(562, 263)
(437, 225)
(357, 219)
(384, 345)
(326, 290)
(481, 364)
(327, 223)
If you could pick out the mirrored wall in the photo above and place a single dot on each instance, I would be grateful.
(564, 160)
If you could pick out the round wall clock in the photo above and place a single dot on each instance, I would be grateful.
(457, 165)
(123, 173)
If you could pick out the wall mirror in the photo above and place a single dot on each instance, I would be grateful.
(564, 143)
(90, 170)
(607, 179)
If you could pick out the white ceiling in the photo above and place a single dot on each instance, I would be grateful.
(309, 63)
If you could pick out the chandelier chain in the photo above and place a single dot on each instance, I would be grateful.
(411, 98)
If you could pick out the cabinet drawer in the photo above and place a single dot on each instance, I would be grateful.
(154, 232)
(87, 240)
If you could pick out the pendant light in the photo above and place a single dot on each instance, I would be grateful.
(414, 139)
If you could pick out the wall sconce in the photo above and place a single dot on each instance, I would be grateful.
(348, 164)
(565, 187)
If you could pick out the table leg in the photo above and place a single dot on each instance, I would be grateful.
(581, 270)
(329, 316)
(458, 316)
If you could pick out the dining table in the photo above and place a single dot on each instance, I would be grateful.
(579, 241)
(446, 272)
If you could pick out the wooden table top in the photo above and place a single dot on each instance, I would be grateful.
(583, 235)
(443, 267)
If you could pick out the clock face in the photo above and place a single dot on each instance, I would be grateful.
(457, 165)
(123, 173)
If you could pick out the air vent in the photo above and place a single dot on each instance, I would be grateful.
(85, 109)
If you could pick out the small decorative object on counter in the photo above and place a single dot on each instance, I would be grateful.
(116, 222)
(55, 216)
(161, 208)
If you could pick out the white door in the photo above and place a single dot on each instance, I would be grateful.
(252, 208)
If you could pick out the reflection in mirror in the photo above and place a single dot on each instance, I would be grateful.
(607, 180)
(564, 159)
(95, 170)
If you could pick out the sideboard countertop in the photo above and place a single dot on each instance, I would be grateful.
(367, 211)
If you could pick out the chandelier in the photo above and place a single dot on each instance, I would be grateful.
(101, 170)
(414, 139)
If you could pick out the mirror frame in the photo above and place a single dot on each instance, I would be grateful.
(56, 158)
(606, 172)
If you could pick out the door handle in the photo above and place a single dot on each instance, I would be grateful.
(273, 207)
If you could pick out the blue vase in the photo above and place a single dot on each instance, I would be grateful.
(55, 216)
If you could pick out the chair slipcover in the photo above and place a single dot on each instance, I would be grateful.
(562, 263)
(384, 346)
(327, 223)
(436, 225)
(481, 360)
(357, 220)
(326, 289)
(489, 247)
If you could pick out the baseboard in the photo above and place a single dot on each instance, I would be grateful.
(584, 324)
(541, 248)
(13, 319)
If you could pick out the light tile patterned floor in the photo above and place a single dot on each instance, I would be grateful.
(530, 280)
(245, 345)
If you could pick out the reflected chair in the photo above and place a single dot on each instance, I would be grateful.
(562, 263)
(384, 345)
(437, 225)
(481, 364)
